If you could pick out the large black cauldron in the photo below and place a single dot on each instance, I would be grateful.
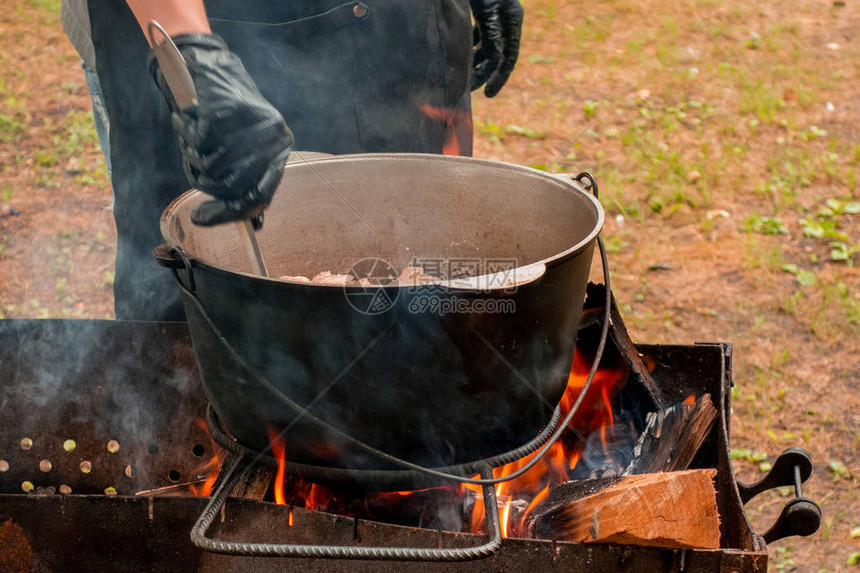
(436, 374)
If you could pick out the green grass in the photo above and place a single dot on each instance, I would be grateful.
(49, 6)
(11, 128)
(76, 134)
(760, 99)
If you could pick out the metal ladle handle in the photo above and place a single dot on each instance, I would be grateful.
(181, 85)
(173, 67)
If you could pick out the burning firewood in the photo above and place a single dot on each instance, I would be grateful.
(673, 437)
(673, 509)
(676, 509)
(253, 483)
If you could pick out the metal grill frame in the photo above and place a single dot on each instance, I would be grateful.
(118, 533)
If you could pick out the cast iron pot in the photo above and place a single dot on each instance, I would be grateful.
(441, 374)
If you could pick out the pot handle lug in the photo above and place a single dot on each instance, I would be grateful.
(588, 182)
(167, 258)
(585, 180)
(175, 259)
(800, 516)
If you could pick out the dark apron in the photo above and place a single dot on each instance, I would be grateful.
(348, 78)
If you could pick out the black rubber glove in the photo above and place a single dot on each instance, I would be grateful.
(234, 143)
(497, 42)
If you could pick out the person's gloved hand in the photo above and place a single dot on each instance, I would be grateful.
(234, 143)
(497, 42)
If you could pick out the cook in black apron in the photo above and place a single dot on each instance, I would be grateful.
(347, 77)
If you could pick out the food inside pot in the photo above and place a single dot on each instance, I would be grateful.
(408, 276)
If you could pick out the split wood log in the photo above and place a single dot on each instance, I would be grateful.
(675, 509)
(253, 483)
(673, 437)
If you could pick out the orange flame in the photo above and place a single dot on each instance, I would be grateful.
(537, 499)
(505, 515)
(210, 469)
(318, 497)
(458, 128)
(279, 453)
(574, 459)
(690, 400)
(477, 520)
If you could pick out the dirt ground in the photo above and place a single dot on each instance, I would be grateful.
(725, 138)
